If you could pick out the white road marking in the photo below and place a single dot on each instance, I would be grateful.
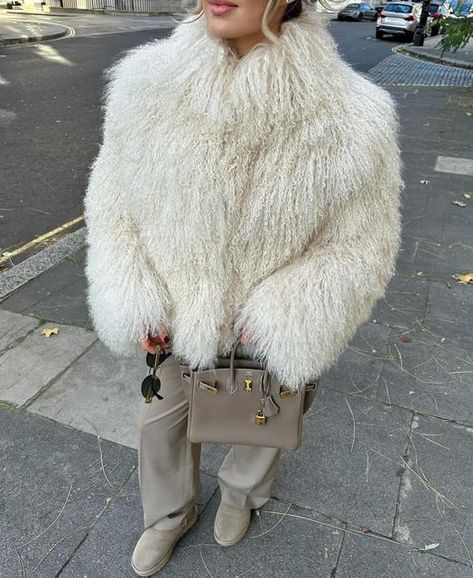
(455, 166)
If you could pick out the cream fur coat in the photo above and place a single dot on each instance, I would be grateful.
(263, 191)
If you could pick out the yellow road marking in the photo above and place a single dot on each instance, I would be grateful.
(40, 239)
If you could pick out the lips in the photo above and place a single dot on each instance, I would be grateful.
(221, 7)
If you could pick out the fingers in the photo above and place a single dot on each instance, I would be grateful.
(162, 340)
(146, 346)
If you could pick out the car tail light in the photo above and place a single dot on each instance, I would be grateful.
(410, 17)
(436, 16)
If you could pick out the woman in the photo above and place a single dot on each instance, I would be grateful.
(248, 184)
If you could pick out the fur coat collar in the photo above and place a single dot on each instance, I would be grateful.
(259, 191)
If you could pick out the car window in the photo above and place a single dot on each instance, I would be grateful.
(353, 5)
(399, 8)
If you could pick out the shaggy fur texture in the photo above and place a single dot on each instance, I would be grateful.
(262, 190)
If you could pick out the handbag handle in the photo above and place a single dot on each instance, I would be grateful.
(231, 384)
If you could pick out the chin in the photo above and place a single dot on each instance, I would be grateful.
(226, 28)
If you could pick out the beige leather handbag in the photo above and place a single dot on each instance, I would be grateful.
(239, 402)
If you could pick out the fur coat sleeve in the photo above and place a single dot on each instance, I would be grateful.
(303, 315)
(126, 297)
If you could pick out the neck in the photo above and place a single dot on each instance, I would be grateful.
(244, 44)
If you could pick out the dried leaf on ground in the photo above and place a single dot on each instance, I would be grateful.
(48, 331)
(365, 529)
(459, 204)
(463, 278)
(405, 338)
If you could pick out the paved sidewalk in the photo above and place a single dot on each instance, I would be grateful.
(462, 58)
(381, 487)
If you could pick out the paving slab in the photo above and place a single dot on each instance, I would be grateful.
(459, 224)
(370, 557)
(406, 260)
(14, 327)
(435, 501)
(54, 484)
(404, 303)
(430, 376)
(358, 369)
(120, 528)
(415, 197)
(31, 365)
(99, 394)
(349, 464)
(425, 227)
(439, 261)
(450, 311)
(58, 294)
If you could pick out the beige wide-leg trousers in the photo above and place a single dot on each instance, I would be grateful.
(168, 464)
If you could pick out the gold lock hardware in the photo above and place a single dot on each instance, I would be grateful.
(260, 418)
(208, 388)
(248, 385)
(287, 393)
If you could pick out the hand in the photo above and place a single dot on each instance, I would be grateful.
(162, 339)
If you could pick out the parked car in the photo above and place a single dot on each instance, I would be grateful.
(359, 11)
(399, 18)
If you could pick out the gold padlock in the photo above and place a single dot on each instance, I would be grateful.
(248, 385)
(260, 418)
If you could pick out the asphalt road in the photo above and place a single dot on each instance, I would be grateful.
(358, 45)
(51, 119)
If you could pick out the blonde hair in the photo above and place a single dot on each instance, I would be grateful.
(293, 10)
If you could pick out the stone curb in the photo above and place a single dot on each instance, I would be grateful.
(411, 51)
(27, 39)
